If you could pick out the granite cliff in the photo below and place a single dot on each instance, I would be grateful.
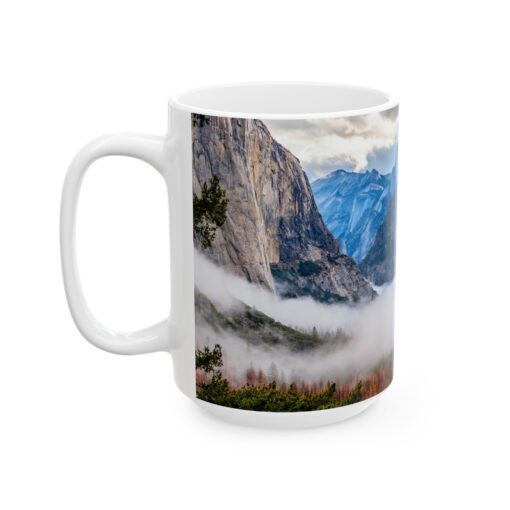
(273, 225)
(379, 264)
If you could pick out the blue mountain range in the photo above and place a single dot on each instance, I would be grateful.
(354, 206)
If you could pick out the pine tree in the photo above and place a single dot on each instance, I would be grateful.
(209, 211)
(272, 373)
(251, 376)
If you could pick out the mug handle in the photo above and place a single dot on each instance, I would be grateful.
(146, 148)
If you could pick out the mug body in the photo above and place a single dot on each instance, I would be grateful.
(282, 201)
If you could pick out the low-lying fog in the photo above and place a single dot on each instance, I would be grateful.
(369, 327)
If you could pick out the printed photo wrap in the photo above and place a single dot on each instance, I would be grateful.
(294, 233)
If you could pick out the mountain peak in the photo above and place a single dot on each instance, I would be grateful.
(353, 205)
(341, 172)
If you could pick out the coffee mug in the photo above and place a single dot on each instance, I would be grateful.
(282, 202)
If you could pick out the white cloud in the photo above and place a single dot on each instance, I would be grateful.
(327, 144)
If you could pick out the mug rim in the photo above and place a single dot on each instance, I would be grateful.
(386, 102)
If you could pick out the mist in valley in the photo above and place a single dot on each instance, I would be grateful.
(365, 339)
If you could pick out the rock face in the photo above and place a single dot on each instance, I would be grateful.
(336, 279)
(379, 264)
(354, 206)
(272, 217)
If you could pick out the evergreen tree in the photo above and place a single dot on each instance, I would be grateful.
(272, 373)
(251, 376)
(209, 211)
(266, 396)
(207, 360)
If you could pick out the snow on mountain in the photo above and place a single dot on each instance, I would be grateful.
(353, 206)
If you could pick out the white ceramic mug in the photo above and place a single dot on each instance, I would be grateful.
(282, 201)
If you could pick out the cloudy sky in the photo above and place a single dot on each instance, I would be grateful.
(352, 143)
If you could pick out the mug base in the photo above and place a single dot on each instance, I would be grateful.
(298, 420)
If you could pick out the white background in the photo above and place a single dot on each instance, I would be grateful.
(83, 429)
